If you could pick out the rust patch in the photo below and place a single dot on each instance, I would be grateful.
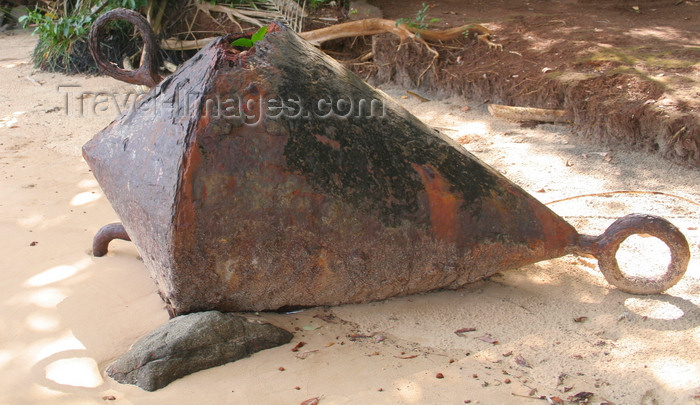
(557, 233)
(186, 211)
(443, 204)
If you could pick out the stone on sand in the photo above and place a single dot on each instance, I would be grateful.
(190, 343)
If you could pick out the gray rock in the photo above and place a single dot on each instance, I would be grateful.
(190, 343)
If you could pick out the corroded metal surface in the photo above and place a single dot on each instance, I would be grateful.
(243, 191)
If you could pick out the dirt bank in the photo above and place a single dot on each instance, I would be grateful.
(627, 72)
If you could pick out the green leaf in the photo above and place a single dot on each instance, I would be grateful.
(260, 34)
(244, 42)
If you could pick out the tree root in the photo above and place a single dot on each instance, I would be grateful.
(370, 26)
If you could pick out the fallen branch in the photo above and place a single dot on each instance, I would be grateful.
(528, 114)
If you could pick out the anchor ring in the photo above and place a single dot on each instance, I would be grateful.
(605, 247)
(147, 74)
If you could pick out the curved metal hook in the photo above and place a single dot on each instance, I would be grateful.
(106, 234)
(605, 246)
(147, 74)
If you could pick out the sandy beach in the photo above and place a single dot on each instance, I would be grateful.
(554, 329)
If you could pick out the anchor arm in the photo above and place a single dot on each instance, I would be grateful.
(106, 234)
(604, 248)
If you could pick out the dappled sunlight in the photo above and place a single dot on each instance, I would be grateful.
(41, 222)
(93, 194)
(676, 373)
(85, 198)
(10, 121)
(542, 276)
(44, 348)
(47, 297)
(47, 393)
(628, 346)
(57, 273)
(541, 279)
(75, 371)
(660, 33)
(653, 308)
(409, 391)
(88, 184)
(42, 322)
(472, 127)
(544, 45)
(31, 221)
(587, 297)
(52, 275)
(5, 357)
(55, 349)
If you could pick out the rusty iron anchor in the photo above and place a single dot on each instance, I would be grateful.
(243, 191)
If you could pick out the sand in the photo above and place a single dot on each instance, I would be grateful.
(67, 315)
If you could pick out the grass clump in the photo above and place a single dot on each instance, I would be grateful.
(63, 27)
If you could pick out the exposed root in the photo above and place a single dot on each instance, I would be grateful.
(471, 30)
(370, 26)
(373, 26)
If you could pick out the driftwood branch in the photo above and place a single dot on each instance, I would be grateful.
(528, 114)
